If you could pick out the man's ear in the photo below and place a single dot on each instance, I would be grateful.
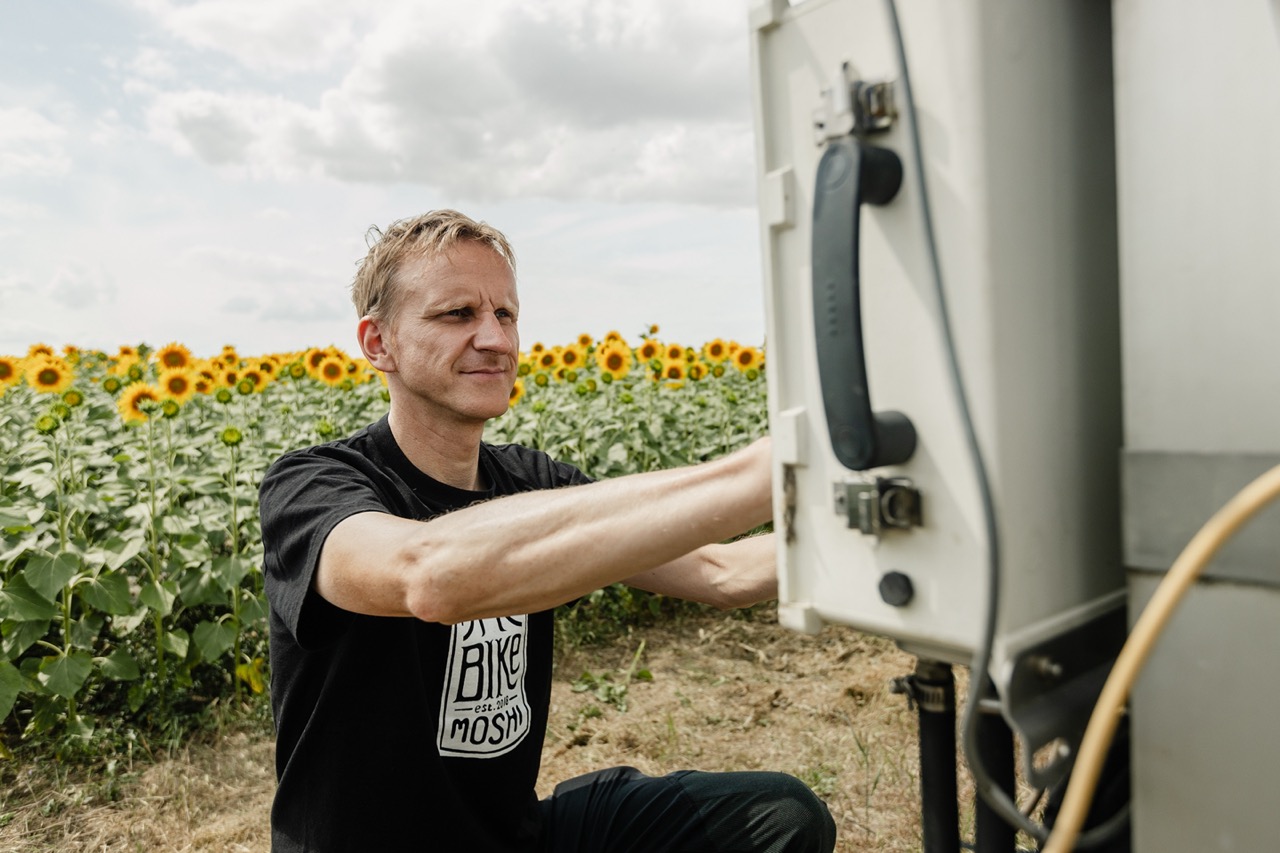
(376, 344)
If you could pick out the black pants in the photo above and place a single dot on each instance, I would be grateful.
(621, 810)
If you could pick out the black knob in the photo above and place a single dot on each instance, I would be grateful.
(896, 589)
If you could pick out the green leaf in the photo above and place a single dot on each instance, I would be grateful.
(22, 546)
(253, 610)
(46, 710)
(66, 674)
(20, 602)
(136, 696)
(129, 622)
(81, 727)
(199, 586)
(229, 571)
(120, 551)
(176, 524)
(190, 553)
(119, 666)
(12, 519)
(159, 596)
(48, 575)
(85, 630)
(10, 687)
(19, 636)
(176, 643)
(108, 592)
(212, 639)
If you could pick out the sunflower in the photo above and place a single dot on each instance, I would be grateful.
(613, 336)
(202, 384)
(73, 398)
(331, 371)
(38, 350)
(586, 341)
(256, 377)
(229, 356)
(126, 351)
(9, 370)
(177, 384)
(363, 371)
(312, 358)
(674, 370)
(173, 356)
(673, 352)
(548, 359)
(648, 350)
(747, 358)
(517, 391)
(138, 401)
(537, 348)
(49, 374)
(614, 361)
(228, 377)
(697, 370)
(231, 436)
(572, 357)
(120, 366)
(715, 351)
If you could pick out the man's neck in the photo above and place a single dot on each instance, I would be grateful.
(449, 452)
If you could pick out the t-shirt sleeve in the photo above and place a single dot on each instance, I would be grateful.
(303, 496)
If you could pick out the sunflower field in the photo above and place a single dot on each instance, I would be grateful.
(131, 589)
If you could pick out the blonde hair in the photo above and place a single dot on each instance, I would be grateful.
(376, 290)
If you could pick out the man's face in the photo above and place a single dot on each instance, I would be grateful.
(454, 338)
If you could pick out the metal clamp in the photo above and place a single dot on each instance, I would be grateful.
(853, 106)
(887, 502)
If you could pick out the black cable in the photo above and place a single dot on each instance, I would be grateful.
(990, 791)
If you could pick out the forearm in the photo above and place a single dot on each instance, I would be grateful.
(737, 574)
(532, 551)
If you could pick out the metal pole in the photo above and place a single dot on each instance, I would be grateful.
(932, 688)
(992, 833)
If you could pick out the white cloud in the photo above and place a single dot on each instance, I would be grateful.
(605, 101)
(78, 286)
(280, 35)
(31, 145)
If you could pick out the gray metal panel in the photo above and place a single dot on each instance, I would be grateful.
(1169, 496)
(1205, 749)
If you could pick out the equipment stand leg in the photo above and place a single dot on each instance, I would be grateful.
(932, 688)
(992, 833)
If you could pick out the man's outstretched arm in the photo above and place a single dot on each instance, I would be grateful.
(533, 551)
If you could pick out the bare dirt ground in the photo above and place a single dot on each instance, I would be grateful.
(726, 693)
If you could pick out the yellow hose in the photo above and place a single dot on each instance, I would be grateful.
(1137, 648)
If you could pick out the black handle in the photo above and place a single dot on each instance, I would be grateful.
(850, 173)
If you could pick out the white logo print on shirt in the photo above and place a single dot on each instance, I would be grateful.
(484, 711)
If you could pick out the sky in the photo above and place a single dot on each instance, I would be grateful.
(206, 171)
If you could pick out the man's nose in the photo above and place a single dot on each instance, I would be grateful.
(492, 335)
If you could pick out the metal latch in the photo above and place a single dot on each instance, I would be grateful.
(888, 502)
(853, 106)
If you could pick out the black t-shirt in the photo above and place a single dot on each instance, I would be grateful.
(392, 733)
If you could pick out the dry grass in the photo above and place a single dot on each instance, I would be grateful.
(726, 694)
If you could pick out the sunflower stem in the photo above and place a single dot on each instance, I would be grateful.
(233, 480)
(58, 490)
(162, 665)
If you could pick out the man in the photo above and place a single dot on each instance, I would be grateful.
(412, 570)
